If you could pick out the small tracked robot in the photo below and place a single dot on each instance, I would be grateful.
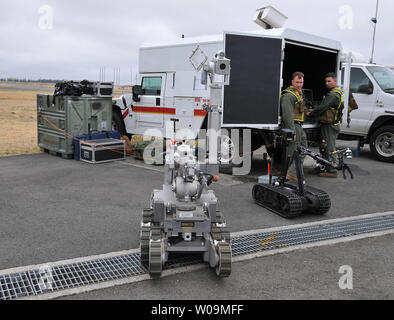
(289, 199)
(184, 217)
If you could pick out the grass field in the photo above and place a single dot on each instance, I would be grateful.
(18, 121)
(18, 116)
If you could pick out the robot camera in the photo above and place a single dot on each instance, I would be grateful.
(221, 64)
(348, 154)
(220, 55)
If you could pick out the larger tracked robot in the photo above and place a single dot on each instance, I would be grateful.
(184, 217)
(289, 199)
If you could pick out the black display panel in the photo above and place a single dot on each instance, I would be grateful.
(254, 92)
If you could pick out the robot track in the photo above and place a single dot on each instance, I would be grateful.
(145, 235)
(282, 201)
(156, 251)
(222, 236)
(224, 268)
(316, 201)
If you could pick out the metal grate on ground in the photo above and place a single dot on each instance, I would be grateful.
(15, 286)
(31, 283)
(292, 237)
(69, 276)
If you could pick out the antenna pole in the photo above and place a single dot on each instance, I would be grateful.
(375, 22)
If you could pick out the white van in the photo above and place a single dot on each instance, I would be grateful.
(373, 122)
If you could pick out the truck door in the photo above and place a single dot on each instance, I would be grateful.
(150, 110)
(384, 79)
(345, 69)
(365, 94)
(253, 96)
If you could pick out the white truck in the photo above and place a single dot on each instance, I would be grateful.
(373, 122)
(262, 65)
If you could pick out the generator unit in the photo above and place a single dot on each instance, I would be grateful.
(60, 118)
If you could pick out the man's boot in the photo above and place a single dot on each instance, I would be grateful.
(317, 170)
(330, 173)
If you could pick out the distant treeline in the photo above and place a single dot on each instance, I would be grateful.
(34, 81)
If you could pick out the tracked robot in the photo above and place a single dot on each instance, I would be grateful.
(289, 199)
(184, 217)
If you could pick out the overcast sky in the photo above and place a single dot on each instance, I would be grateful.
(88, 34)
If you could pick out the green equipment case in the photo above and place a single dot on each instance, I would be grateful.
(60, 118)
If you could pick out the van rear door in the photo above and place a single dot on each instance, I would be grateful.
(253, 97)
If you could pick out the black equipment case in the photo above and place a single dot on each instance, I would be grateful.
(103, 150)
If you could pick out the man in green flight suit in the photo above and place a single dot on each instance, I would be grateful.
(293, 114)
(330, 117)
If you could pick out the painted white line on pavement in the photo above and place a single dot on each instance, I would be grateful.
(140, 166)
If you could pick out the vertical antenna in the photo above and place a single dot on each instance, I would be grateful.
(375, 22)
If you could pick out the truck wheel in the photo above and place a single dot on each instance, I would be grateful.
(229, 148)
(382, 144)
(117, 123)
(256, 144)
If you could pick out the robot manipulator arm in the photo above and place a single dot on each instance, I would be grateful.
(342, 155)
(205, 180)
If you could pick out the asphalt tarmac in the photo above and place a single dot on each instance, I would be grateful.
(53, 209)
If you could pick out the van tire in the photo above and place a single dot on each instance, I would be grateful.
(117, 123)
(382, 144)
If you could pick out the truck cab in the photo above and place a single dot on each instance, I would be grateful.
(373, 122)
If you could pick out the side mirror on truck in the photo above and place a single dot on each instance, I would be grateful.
(137, 91)
(365, 89)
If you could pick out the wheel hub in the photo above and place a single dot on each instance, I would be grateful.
(114, 126)
(385, 145)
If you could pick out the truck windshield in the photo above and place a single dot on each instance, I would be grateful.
(384, 77)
